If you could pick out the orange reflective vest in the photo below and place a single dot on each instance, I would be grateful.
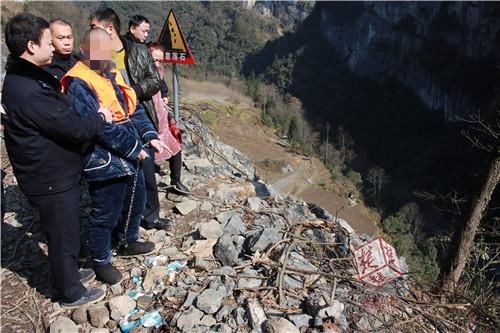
(104, 89)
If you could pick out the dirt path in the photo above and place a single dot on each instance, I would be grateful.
(289, 173)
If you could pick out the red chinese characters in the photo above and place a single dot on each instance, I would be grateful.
(377, 263)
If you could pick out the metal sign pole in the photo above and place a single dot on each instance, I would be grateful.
(176, 52)
(175, 81)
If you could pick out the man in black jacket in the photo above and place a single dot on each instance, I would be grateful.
(44, 138)
(138, 29)
(62, 39)
(135, 63)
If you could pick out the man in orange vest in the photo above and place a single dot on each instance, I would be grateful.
(116, 181)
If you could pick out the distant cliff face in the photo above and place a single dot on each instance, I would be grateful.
(289, 13)
(438, 49)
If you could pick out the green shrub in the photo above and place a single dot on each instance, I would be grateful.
(421, 254)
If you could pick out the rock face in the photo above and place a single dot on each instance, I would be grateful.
(155, 276)
(99, 315)
(210, 300)
(279, 326)
(187, 206)
(80, 315)
(63, 325)
(256, 314)
(211, 230)
(424, 45)
(120, 306)
(225, 251)
(189, 319)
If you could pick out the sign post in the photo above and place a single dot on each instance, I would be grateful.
(175, 82)
(176, 52)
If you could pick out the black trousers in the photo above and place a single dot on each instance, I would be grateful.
(59, 219)
(152, 210)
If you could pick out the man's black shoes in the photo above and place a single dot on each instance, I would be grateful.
(136, 248)
(180, 187)
(86, 275)
(90, 296)
(159, 224)
(108, 274)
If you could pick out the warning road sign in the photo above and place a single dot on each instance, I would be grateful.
(172, 38)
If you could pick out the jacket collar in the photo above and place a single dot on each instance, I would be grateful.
(22, 67)
(127, 42)
(59, 60)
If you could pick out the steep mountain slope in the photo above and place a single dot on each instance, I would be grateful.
(374, 82)
(220, 34)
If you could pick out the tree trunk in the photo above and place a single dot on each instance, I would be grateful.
(465, 237)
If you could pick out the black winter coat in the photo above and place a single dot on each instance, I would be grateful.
(59, 65)
(44, 136)
(143, 76)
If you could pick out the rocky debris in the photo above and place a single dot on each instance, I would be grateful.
(225, 251)
(287, 169)
(256, 204)
(211, 230)
(99, 315)
(200, 263)
(279, 326)
(144, 302)
(120, 306)
(210, 300)
(261, 239)
(200, 166)
(189, 319)
(334, 311)
(233, 225)
(99, 330)
(187, 206)
(245, 259)
(80, 315)
(300, 320)
(247, 282)
(63, 325)
(117, 289)
(154, 277)
(256, 314)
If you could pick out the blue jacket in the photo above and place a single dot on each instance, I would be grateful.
(114, 153)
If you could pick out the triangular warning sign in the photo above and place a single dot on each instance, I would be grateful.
(172, 38)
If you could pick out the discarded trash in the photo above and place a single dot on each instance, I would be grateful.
(155, 260)
(377, 263)
(137, 280)
(135, 294)
(126, 324)
(175, 265)
(172, 268)
(151, 319)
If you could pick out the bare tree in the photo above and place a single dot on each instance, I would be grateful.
(377, 178)
(483, 135)
(345, 144)
(327, 142)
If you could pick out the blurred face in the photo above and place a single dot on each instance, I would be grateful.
(140, 32)
(62, 38)
(98, 47)
(157, 57)
(41, 54)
